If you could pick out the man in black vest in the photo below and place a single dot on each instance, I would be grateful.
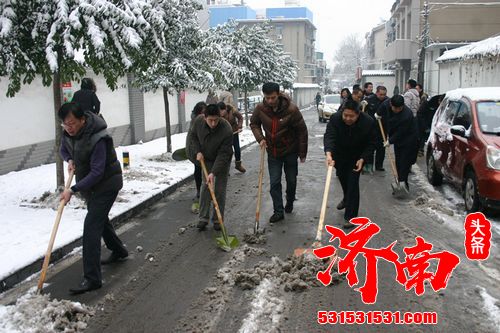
(89, 151)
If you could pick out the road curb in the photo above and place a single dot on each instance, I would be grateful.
(23, 273)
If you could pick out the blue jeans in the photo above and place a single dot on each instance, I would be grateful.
(275, 165)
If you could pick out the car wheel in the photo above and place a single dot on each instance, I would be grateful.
(320, 119)
(471, 195)
(433, 175)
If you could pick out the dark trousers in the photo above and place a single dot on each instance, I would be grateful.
(97, 225)
(349, 180)
(276, 165)
(405, 158)
(379, 155)
(197, 178)
(236, 147)
(220, 187)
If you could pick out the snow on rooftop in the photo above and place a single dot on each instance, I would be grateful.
(305, 85)
(381, 72)
(484, 48)
(475, 94)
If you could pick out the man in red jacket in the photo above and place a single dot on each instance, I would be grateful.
(278, 125)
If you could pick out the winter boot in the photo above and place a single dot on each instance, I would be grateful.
(239, 167)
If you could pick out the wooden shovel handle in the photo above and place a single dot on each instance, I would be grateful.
(389, 152)
(212, 194)
(46, 261)
(324, 203)
(261, 177)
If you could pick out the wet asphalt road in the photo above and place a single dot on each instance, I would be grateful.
(169, 293)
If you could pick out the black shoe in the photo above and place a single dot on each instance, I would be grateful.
(85, 286)
(276, 217)
(217, 226)
(341, 205)
(348, 224)
(380, 169)
(201, 225)
(289, 207)
(114, 257)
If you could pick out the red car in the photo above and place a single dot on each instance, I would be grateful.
(464, 145)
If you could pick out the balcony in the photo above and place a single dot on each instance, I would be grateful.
(401, 49)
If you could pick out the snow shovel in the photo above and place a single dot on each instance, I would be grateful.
(225, 242)
(317, 242)
(396, 186)
(46, 261)
(180, 154)
(259, 192)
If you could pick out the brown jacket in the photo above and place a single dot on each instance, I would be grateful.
(216, 144)
(234, 118)
(285, 129)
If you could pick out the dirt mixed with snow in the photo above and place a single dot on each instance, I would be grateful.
(51, 200)
(255, 238)
(38, 313)
(294, 274)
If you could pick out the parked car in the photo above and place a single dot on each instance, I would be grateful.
(328, 106)
(464, 145)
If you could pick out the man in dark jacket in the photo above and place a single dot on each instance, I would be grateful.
(89, 151)
(402, 132)
(210, 138)
(374, 102)
(318, 99)
(86, 96)
(349, 141)
(285, 139)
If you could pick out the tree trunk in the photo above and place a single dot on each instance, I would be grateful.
(167, 120)
(245, 101)
(56, 86)
(421, 66)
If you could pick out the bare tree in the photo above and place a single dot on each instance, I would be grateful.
(350, 55)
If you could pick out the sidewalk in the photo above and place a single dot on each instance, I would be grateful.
(28, 205)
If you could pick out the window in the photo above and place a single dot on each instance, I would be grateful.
(449, 112)
(463, 116)
(489, 117)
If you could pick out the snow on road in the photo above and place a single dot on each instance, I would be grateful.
(28, 200)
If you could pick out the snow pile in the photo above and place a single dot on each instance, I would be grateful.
(37, 313)
(255, 238)
(295, 274)
(489, 47)
(475, 94)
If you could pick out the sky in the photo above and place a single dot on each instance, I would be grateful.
(335, 19)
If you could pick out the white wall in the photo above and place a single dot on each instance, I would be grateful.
(468, 74)
(304, 96)
(28, 117)
(31, 110)
(154, 110)
(193, 97)
(114, 103)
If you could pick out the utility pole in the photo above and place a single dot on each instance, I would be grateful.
(424, 42)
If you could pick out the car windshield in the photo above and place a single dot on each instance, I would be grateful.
(489, 117)
(332, 99)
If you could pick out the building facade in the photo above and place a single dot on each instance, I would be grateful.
(447, 21)
(297, 35)
(375, 46)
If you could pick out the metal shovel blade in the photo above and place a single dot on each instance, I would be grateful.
(226, 245)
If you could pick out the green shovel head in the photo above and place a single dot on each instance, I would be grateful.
(231, 243)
